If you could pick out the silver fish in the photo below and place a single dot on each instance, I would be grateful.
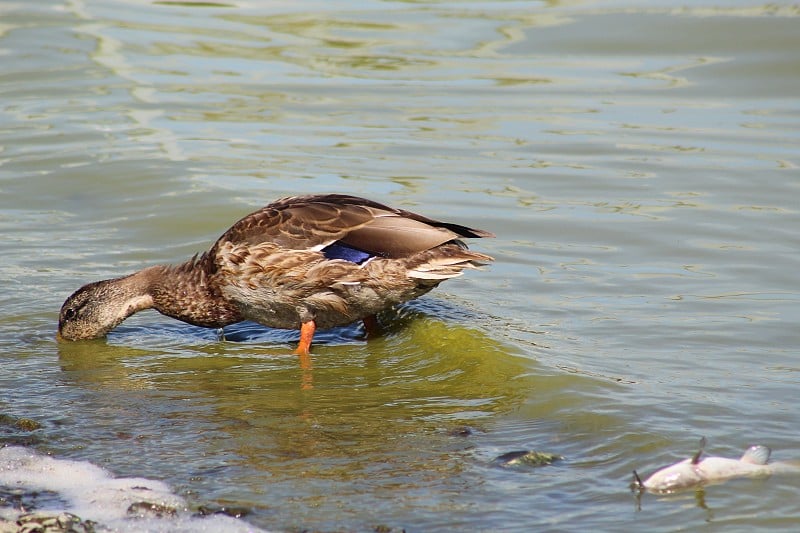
(695, 472)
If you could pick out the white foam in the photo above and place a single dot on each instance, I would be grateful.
(93, 494)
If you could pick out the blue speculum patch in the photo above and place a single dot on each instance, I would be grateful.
(338, 250)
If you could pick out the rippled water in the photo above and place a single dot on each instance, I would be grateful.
(637, 160)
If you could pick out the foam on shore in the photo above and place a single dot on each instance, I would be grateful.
(91, 493)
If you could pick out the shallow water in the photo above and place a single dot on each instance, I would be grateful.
(637, 160)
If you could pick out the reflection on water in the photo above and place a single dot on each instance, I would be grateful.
(636, 161)
(379, 416)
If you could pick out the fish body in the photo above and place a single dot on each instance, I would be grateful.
(695, 472)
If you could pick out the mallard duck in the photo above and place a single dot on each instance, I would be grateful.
(303, 262)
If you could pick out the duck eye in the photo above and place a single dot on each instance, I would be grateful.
(70, 313)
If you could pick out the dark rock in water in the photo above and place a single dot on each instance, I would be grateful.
(26, 441)
(18, 431)
(235, 512)
(461, 431)
(523, 458)
(25, 424)
(150, 510)
(23, 499)
(44, 522)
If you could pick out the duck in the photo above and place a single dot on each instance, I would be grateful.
(300, 263)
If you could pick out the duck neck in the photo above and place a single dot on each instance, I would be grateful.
(188, 292)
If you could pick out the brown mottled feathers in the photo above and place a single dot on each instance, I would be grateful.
(315, 221)
(274, 267)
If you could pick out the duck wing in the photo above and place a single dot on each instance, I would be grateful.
(313, 222)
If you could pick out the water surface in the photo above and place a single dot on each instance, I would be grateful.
(637, 160)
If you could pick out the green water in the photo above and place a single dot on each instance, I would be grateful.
(637, 161)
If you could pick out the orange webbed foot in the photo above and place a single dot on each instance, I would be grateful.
(307, 330)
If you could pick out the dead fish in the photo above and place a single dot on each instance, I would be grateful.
(525, 458)
(695, 472)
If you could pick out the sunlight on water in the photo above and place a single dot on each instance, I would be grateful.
(636, 160)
